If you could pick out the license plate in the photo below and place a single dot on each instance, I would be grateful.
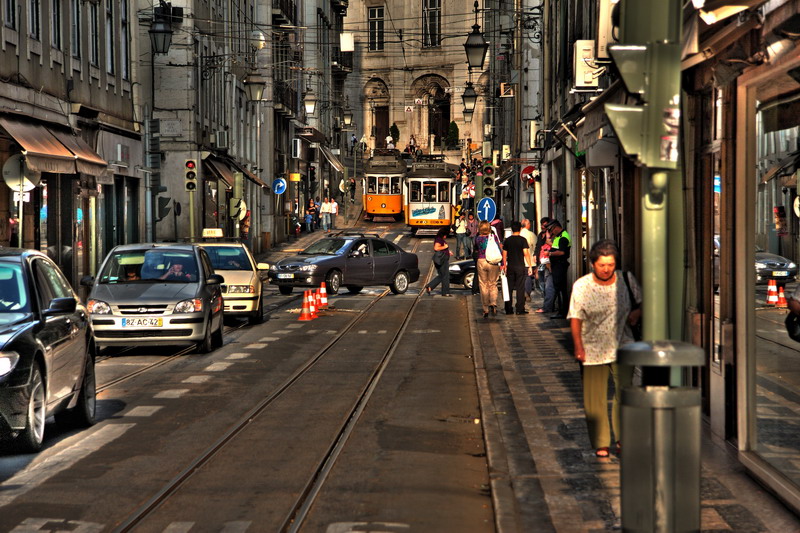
(285, 276)
(142, 322)
(780, 273)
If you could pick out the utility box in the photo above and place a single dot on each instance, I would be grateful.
(660, 461)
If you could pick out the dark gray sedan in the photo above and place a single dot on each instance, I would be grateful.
(350, 260)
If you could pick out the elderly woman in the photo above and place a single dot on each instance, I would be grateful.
(488, 273)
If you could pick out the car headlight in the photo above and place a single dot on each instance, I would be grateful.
(98, 307)
(761, 265)
(791, 265)
(195, 305)
(273, 268)
(8, 360)
(307, 268)
(240, 289)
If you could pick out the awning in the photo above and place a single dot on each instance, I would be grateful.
(249, 175)
(786, 166)
(221, 170)
(332, 159)
(87, 160)
(312, 135)
(43, 152)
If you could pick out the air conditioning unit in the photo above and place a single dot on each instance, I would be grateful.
(605, 29)
(585, 66)
(221, 139)
(296, 148)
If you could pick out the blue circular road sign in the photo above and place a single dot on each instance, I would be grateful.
(279, 185)
(487, 209)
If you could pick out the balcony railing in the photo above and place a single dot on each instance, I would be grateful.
(342, 60)
(285, 98)
(283, 11)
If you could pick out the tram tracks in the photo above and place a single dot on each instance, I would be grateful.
(298, 511)
(166, 359)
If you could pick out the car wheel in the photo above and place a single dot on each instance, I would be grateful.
(85, 411)
(354, 289)
(333, 282)
(217, 338)
(286, 290)
(30, 439)
(206, 345)
(257, 316)
(399, 284)
(469, 279)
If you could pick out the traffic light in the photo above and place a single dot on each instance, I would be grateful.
(190, 175)
(312, 173)
(488, 180)
(162, 208)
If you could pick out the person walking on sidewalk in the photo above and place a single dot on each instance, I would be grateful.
(487, 272)
(325, 214)
(516, 258)
(559, 263)
(530, 237)
(441, 260)
(462, 238)
(600, 313)
(334, 212)
(351, 186)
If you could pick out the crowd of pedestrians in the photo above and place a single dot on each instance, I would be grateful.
(321, 214)
(601, 306)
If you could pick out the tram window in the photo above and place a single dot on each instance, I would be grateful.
(383, 185)
(371, 184)
(444, 191)
(416, 194)
(382, 248)
(429, 192)
(396, 185)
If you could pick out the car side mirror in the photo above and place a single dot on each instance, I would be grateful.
(61, 306)
(87, 281)
(215, 279)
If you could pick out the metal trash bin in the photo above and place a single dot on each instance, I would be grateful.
(660, 462)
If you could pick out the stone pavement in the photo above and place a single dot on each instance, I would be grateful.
(544, 474)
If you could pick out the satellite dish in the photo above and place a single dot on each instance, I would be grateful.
(17, 174)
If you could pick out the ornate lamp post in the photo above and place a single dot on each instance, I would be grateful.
(470, 97)
(476, 45)
(254, 85)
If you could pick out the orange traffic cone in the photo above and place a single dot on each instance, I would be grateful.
(782, 298)
(317, 300)
(323, 296)
(772, 293)
(312, 304)
(306, 314)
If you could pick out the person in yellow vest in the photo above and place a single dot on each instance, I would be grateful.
(559, 263)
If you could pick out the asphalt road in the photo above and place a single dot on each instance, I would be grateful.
(236, 440)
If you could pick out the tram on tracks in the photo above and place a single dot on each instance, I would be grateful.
(382, 184)
(430, 194)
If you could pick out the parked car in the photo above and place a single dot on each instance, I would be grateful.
(463, 273)
(157, 294)
(769, 266)
(352, 260)
(242, 291)
(46, 350)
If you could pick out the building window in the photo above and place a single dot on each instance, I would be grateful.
(11, 14)
(376, 28)
(110, 34)
(94, 36)
(55, 25)
(431, 22)
(124, 49)
(34, 20)
(75, 31)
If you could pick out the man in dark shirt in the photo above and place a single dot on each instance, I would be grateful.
(517, 254)
(559, 262)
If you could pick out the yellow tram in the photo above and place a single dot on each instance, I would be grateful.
(383, 185)
(430, 194)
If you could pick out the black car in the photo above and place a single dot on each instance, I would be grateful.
(352, 260)
(462, 273)
(46, 350)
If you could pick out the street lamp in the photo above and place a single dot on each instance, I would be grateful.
(347, 117)
(476, 45)
(470, 97)
(310, 101)
(160, 35)
(254, 85)
(468, 116)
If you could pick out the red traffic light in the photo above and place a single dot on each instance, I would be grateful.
(191, 164)
(488, 170)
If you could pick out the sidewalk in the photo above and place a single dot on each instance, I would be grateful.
(544, 474)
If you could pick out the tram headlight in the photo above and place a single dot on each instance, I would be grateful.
(383, 206)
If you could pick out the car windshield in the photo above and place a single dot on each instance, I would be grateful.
(228, 258)
(137, 266)
(14, 302)
(326, 246)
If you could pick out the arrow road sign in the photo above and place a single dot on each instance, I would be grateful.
(487, 209)
(279, 185)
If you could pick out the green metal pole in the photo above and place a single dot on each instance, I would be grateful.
(191, 216)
